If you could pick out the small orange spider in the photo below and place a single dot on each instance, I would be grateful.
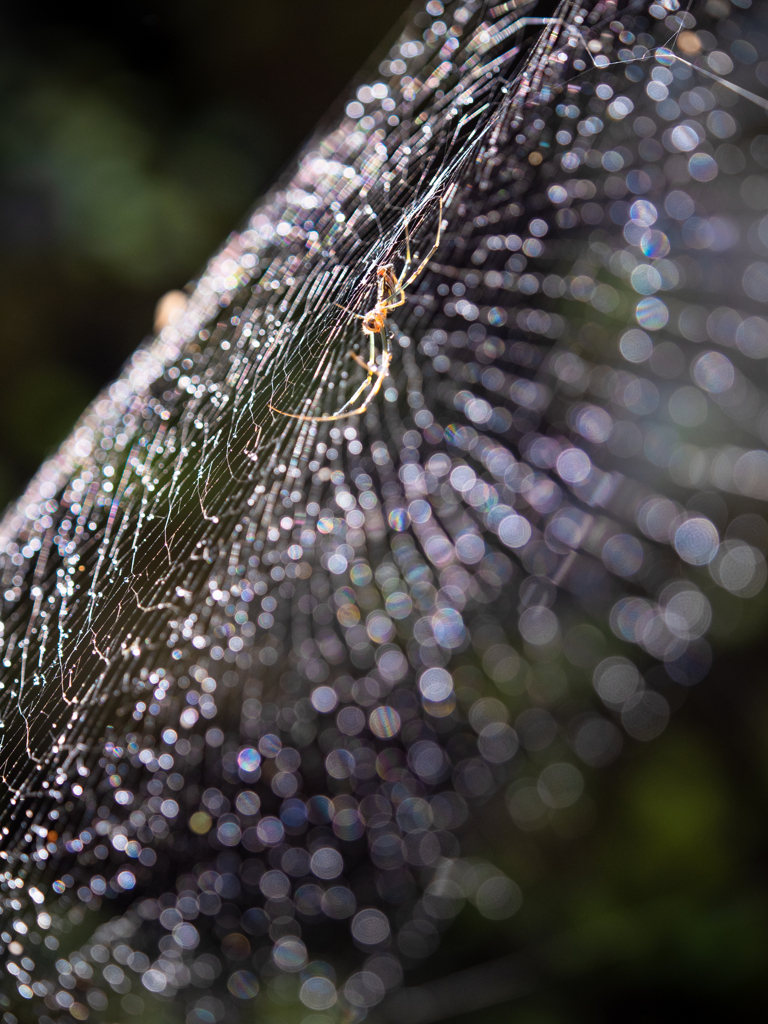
(390, 293)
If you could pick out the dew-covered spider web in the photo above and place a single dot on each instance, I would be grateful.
(270, 682)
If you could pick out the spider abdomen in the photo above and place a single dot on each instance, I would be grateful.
(373, 322)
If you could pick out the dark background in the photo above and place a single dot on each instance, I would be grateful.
(131, 141)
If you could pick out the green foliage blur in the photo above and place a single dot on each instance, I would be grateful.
(131, 141)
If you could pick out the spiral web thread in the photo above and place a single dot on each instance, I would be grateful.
(271, 684)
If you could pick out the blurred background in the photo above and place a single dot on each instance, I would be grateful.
(132, 140)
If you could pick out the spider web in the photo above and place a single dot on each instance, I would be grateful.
(268, 682)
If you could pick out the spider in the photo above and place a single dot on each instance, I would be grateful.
(390, 293)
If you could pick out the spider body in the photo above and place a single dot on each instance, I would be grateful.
(390, 293)
(375, 319)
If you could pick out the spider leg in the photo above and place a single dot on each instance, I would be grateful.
(370, 366)
(291, 415)
(408, 258)
(380, 375)
(401, 299)
(380, 378)
(431, 252)
(358, 316)
(371, 369)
